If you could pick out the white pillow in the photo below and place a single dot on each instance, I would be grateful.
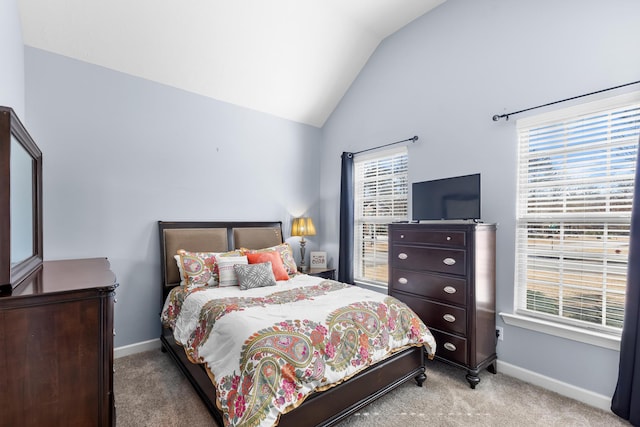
(227, 275)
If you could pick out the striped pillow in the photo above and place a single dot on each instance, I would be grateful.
(226, 273)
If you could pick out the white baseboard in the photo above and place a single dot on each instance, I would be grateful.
(580, 394)
(138, 347)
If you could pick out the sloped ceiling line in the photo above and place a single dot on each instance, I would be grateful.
(290, 58)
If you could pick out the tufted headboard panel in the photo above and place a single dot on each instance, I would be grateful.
(210, 237)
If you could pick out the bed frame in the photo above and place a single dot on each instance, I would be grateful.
(319, 409)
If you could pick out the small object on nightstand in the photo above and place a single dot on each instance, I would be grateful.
(318, 260)
(326, 273)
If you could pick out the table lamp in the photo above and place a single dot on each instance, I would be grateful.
(303, 226)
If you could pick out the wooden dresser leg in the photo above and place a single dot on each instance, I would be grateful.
(473, 378)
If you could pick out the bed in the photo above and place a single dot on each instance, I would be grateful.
(199, 356)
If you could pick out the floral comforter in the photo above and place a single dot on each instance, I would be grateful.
(268, 348)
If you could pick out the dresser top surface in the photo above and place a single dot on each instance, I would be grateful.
(66, 276)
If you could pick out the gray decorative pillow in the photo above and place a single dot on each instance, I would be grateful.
(255, 275)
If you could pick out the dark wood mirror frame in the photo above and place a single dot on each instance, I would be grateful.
(12, 275)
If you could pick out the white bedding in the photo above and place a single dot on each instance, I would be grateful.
(268, 348)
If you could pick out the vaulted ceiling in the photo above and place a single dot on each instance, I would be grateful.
(290, 58)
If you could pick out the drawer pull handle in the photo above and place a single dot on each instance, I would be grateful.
(449, 318)
(402, 255)
(402, 236)
(449, 346)
(450, 289)
(449, 261)
(448, 237)
(403, 281)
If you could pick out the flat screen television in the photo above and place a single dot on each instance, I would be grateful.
(448, 198)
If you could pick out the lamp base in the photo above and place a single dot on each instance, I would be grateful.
(302, 267)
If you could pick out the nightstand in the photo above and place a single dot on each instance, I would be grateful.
(326, 273)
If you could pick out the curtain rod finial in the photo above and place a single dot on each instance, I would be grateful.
(496, 118)
(415, 138)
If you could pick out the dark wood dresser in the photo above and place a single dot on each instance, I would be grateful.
(56, 346)
(445, 271)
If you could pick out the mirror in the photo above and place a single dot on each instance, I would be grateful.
(20, 202)
(21, 186)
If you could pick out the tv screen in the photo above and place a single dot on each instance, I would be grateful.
(448, 198)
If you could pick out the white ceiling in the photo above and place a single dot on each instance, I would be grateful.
(291, 58)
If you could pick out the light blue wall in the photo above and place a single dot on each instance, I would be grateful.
(12, 64)
(442, 78)
(121, 153)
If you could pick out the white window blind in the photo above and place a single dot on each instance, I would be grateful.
(380, 197)
(576, 171)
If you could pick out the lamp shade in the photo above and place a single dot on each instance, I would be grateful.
(303, 226)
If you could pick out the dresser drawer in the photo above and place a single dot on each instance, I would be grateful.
(440, 316)
(452, 261)
(430, 237)
(450, 347)
(451, 290)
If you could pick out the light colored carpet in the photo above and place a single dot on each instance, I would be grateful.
(151, 391)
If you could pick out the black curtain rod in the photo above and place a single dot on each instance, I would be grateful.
(498, 117)
(414, 139)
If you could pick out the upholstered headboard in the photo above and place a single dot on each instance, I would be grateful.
(210, 237)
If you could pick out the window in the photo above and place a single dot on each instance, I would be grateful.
(576, 170)
(381, 192)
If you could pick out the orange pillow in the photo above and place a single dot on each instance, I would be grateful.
(276, 263)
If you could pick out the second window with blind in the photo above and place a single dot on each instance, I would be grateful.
(576, 170)
(381, 197)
